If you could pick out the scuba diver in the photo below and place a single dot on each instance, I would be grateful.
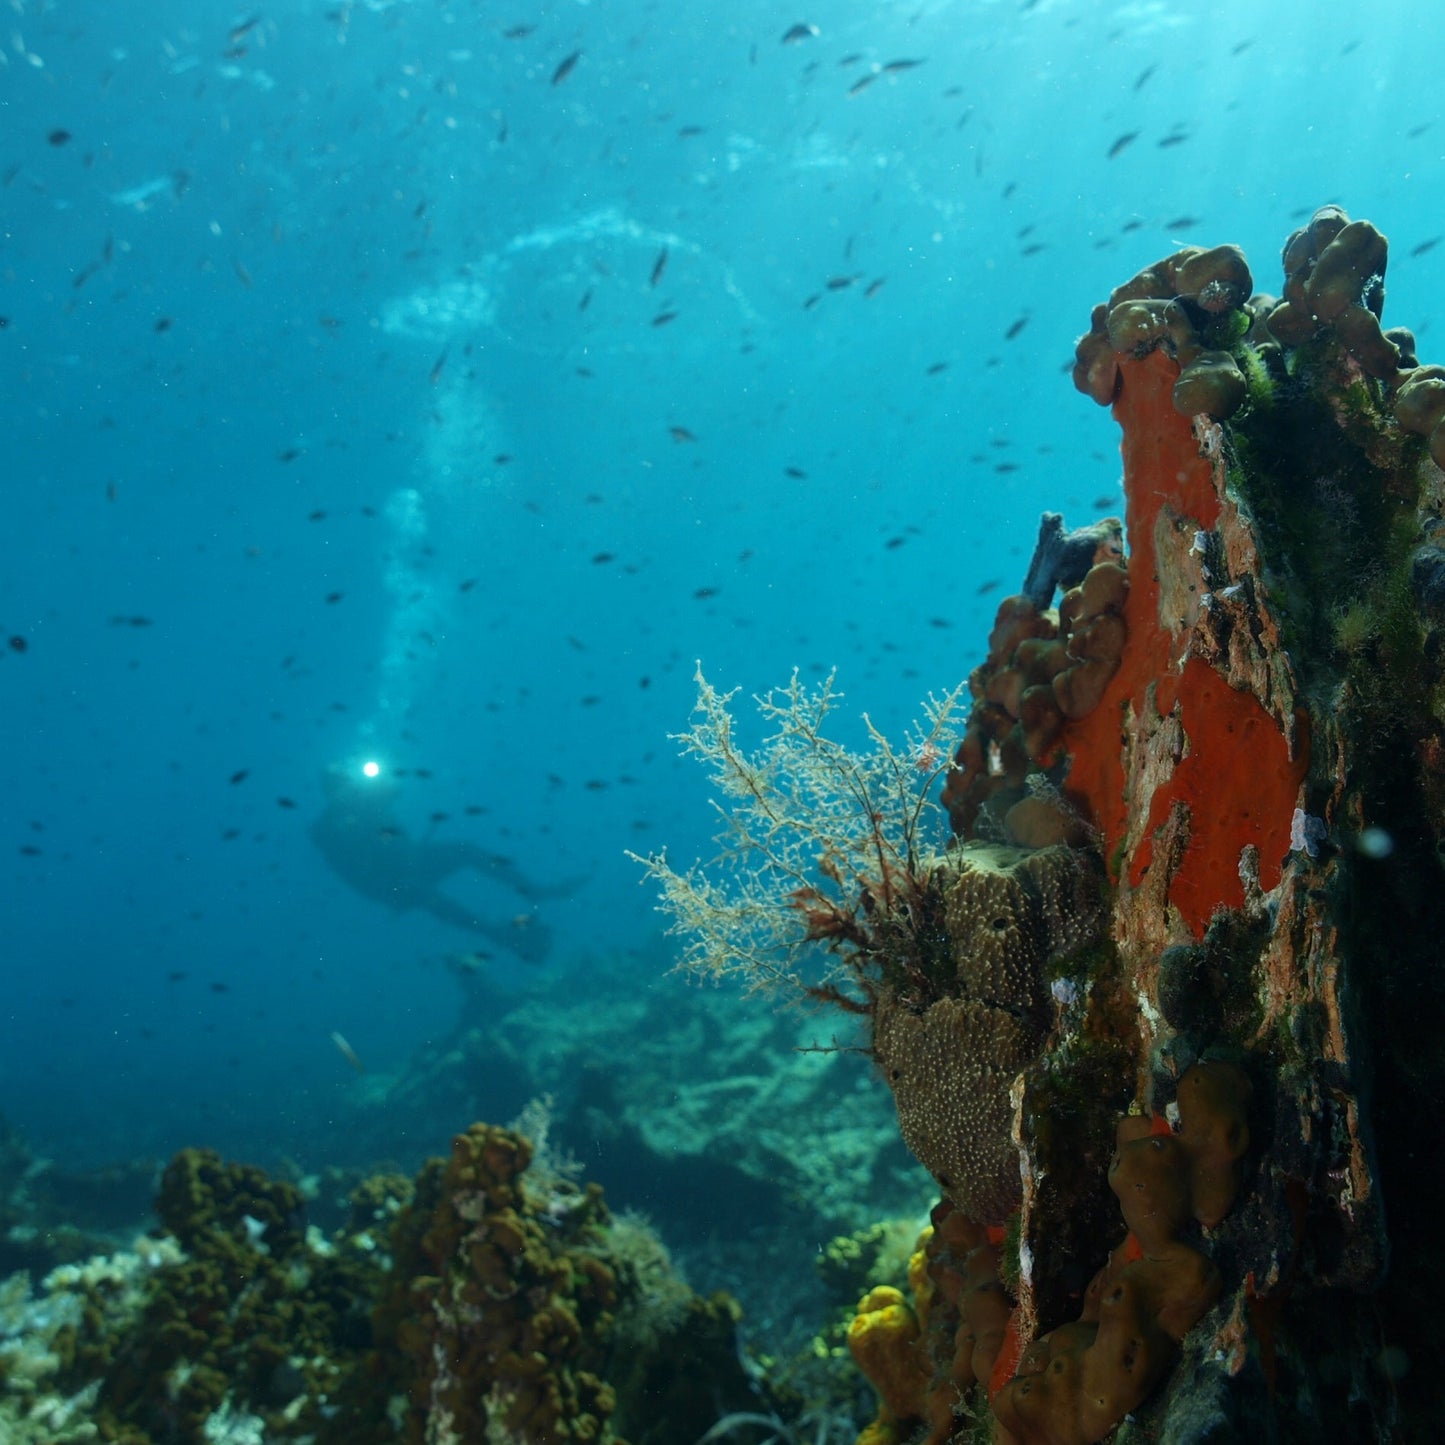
(367, 848)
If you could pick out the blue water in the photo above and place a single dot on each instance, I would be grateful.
(333, 353)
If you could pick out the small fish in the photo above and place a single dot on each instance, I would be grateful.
(801, 31)
(438, 366)
(1017, 327)
(599, 558)
(566, 67)
(1144, 75)
(239, 776)
(1033, 248)
(893, 543)
(937, 369)
(873, 287)
(861, 84)
(663, 317)
(892, 67)
(242, 274)
(703, 593)
(58, 137)
(984, 588)
(1121, 144)
(658, 267)
(289, 455)
(680, 434)
(797, 473)
(839, 283)
(1181, 223)
(1424, 246)
(518, 32)
(1174, 138)
(239, 32)
(586, 300)
(347, 1052)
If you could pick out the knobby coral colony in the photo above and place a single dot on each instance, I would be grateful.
(477, 1304)
(1200, 816)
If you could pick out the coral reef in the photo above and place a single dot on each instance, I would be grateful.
(470, 1305)
(500, 1315)
(1237, 731)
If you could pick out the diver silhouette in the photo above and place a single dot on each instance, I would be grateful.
(367, 848)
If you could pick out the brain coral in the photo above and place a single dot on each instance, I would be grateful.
(951, 1046)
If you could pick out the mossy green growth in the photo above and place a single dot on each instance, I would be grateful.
(1009, 1263)
(1259, 380)
(1333, 487)
(1225, 332)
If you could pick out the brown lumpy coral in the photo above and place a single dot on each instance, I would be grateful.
(951, 1043)
(202, 1195)
(252, 1317)
(1420, 408)
(1077, 1382)
(1335, 279)
(477, 1304)
(500, 1317)
(1184, 305)
(1044, 669)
